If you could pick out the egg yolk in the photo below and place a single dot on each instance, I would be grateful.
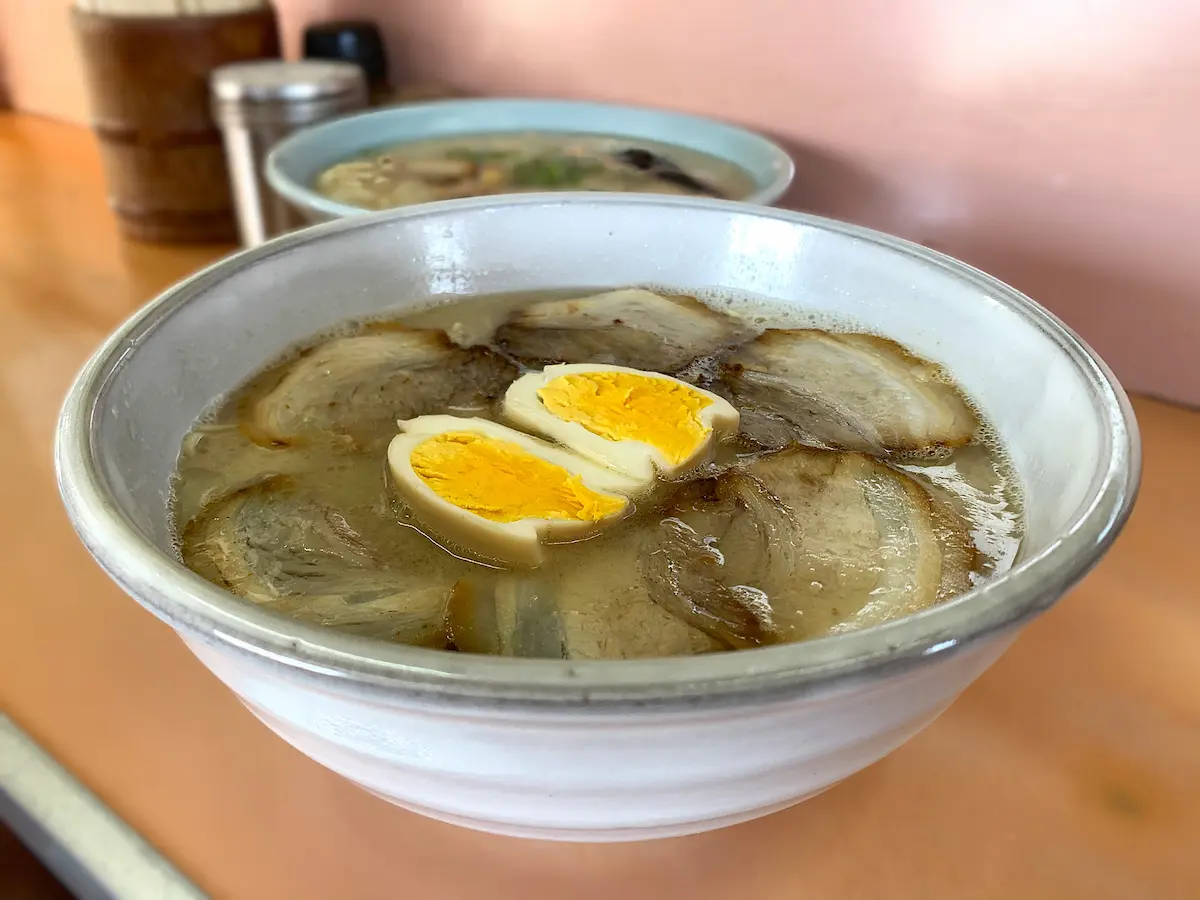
(503, 482)
(622, 406)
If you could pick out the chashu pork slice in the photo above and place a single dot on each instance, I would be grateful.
(804, 543)
(630, 327)
(844, 391)
(359, 386)
(592, 607)
(295, 556)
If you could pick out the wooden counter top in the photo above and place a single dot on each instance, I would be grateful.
(1070, 770)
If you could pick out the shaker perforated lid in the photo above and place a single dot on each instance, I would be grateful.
(275, 81)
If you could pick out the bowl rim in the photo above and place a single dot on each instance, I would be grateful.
(200, 610)
(782, 166)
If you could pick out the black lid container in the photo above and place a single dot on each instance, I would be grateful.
(357, 42)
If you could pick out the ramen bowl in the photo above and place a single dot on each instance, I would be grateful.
(294, 164)
(615, 750)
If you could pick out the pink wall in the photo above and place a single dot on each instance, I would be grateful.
(1054, 143)
(39, 66)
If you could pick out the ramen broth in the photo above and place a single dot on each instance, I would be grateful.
(471, 166)
(853, 485)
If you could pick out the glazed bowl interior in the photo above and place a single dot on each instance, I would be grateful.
(293, 165)
(1057, 409)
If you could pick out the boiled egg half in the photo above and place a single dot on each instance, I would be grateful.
(643, 424)
(498, 494)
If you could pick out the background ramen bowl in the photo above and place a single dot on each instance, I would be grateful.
(594, 750)
(294, 164)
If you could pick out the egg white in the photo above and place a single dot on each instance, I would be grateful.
(517, 543)
(637, 459)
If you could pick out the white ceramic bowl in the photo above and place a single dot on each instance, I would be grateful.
(594, 750)
(293, 165)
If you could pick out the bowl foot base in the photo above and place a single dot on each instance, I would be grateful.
(598, 835)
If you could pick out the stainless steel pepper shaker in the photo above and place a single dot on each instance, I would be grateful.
(259, 103)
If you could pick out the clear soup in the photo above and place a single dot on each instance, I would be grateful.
(472, 166)
(856, 485)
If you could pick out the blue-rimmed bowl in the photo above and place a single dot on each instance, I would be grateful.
(293, 165)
